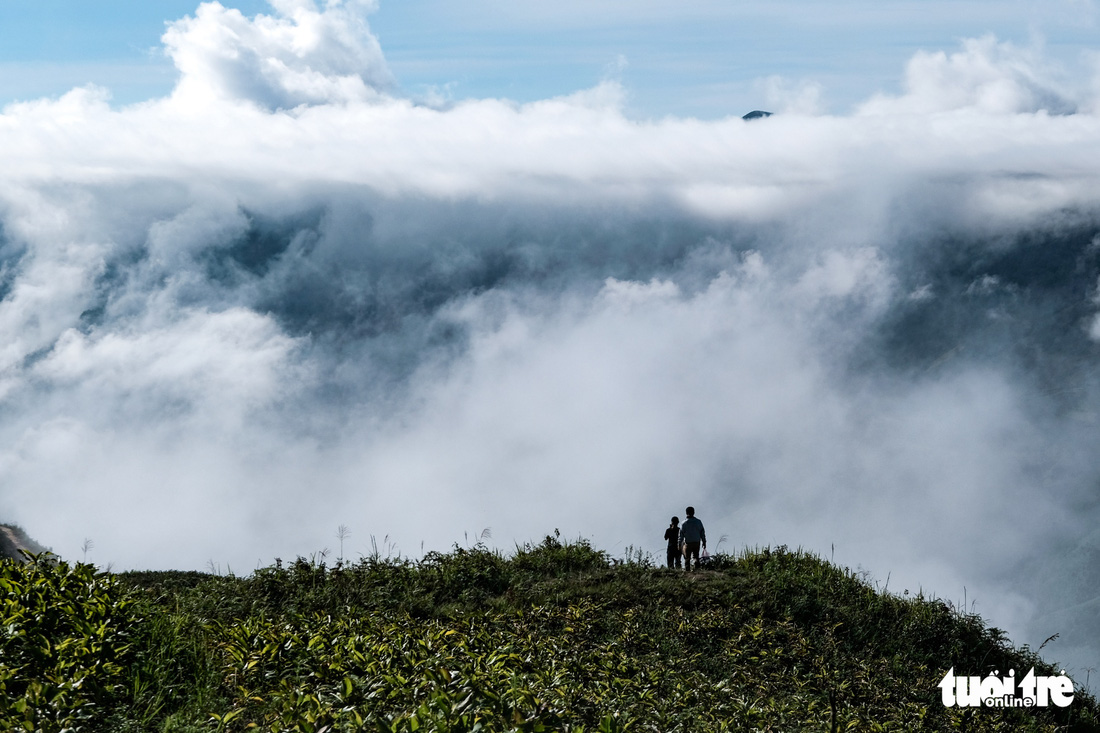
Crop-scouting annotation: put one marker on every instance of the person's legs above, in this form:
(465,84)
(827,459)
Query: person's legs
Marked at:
(692,549)
(673,557)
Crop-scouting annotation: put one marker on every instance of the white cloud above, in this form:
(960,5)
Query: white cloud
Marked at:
(987,76)
(300,55)
(225,364)
(861,273)
(792,97)
(284,299)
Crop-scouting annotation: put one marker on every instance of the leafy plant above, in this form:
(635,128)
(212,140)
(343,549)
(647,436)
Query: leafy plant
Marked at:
(556,637)
(64,644)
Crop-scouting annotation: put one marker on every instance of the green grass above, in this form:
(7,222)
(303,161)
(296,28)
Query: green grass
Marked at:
(552,637)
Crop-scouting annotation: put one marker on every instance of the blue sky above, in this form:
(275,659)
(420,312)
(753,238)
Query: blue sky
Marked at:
(703,58)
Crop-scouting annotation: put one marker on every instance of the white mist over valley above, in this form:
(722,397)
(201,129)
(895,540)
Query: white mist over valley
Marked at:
(288,297)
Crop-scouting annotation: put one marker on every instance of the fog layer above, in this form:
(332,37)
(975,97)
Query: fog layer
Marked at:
(286,298)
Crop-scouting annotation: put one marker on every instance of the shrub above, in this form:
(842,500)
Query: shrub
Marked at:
(64,644)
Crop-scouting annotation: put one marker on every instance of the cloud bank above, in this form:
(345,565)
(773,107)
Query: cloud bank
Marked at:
(284,298)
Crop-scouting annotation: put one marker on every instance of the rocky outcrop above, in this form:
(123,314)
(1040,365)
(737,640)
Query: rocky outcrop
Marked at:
(13,539)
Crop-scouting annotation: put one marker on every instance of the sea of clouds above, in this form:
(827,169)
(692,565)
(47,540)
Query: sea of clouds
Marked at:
(287,298)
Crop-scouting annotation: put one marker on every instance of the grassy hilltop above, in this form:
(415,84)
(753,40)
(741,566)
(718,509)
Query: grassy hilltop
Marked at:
(555,637)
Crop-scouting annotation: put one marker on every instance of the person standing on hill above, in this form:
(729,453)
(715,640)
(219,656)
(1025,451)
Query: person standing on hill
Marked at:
(692,535)
(672,534)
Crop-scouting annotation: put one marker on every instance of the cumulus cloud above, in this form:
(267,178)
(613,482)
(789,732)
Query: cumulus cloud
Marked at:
(300,55)
(223,363)
(284,299)
(986,76)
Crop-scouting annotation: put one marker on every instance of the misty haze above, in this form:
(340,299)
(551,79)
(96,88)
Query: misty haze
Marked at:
(286,298)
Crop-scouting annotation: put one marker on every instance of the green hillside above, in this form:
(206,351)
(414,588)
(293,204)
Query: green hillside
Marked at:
(553,637)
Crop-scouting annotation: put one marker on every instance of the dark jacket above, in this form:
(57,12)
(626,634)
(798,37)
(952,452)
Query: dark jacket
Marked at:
(672,534)
(692,531)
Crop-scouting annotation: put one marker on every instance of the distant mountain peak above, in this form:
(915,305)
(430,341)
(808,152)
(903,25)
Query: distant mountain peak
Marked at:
(756,114)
